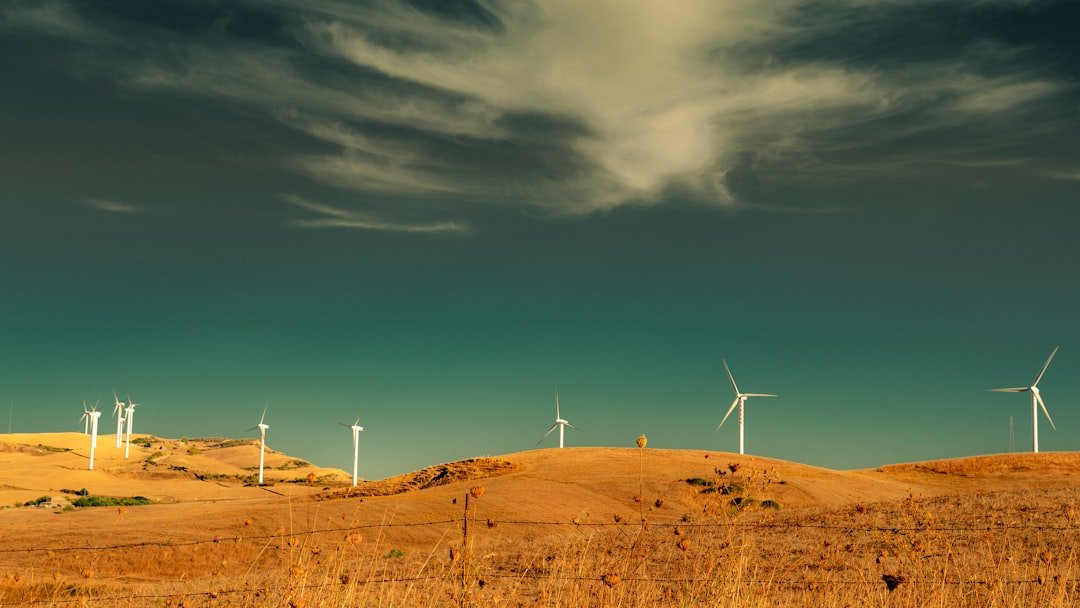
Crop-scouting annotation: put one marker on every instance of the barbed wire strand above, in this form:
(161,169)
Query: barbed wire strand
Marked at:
(623,524)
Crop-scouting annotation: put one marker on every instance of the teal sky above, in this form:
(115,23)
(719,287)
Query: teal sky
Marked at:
(436,212)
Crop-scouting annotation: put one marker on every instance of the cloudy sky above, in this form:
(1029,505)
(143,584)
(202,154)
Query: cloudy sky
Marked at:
(436,211)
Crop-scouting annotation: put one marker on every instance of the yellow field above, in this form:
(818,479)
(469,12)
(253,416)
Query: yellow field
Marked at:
(573,527)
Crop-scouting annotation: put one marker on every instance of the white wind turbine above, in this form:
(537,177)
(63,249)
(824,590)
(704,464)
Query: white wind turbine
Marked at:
(355,428)
(118,411)
(1036,402)
(262,426)
(740,400)
(130,421)
(559,423)
(85,419)
(92,416)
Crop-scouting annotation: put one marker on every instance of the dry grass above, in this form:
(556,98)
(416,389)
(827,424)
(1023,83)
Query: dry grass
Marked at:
(650,539)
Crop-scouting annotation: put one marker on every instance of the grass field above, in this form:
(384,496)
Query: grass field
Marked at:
(584,527)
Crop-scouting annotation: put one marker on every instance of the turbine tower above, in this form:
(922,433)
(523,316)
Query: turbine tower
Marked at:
(559,423)
(740,400)
(356,428)
(262,426)
(92,416)
(130,421)
(1036,402)
(118,411)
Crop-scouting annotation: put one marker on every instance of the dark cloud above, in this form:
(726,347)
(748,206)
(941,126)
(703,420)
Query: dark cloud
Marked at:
(564,109)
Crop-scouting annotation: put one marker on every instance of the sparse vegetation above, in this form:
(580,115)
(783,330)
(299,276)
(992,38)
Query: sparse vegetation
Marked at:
(696,546)
(37,501)
(110,501)
(294,463)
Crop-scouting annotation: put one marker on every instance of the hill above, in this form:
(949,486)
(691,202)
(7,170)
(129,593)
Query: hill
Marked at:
(164,470)
(208,529)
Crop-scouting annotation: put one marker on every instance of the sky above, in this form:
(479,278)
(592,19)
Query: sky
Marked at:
(431,213)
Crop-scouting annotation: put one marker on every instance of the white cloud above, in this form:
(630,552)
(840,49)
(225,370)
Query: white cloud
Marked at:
(113,206)
(1070,175)
(329,216)
(51,17)
(667,96)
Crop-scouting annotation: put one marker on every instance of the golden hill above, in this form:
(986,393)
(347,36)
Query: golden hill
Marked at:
(164,470)
(208,530)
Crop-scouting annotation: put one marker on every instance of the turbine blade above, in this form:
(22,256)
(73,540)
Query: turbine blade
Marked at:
(730,377)
(345,425)
(730,409)
(557,415)
(1045,365)
(263,417)
(1018,389)
(573,427)
(1045,411)
(758,395)
(553,427)
(254,428)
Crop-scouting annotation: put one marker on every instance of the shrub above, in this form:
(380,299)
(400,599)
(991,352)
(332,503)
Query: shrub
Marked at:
(37,501)
(82,492)
(770,504)
(193,450)
(110,501)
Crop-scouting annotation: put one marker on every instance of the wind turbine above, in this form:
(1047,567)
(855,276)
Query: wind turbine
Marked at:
(740,400)
(85,419)
(92,416)
(356,428)
(130,421)
(118,409)
(559,423)
(1036,402)
(262,426)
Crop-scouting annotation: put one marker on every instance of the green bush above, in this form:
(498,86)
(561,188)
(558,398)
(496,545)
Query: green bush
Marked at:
(82,492)
(37,501)
(110,501)
(770,504)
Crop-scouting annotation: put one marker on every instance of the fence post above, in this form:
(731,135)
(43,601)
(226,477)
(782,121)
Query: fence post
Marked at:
(465,553)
